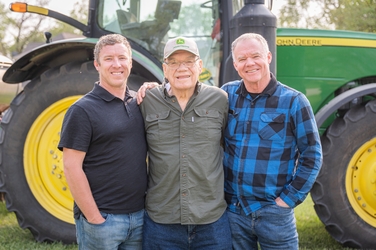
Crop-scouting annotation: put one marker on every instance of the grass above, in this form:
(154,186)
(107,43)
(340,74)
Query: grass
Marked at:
(312,234)
(13,237)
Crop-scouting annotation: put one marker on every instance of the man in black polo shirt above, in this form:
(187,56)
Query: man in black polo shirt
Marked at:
(104,154)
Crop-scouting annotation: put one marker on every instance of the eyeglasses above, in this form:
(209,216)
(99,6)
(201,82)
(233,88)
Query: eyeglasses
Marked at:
(176,65)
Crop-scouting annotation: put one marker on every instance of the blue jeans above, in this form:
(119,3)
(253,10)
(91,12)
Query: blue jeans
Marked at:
(272,226)
(213,236)
(119,231)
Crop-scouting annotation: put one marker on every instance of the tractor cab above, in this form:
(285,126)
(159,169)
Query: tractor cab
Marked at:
(150,23)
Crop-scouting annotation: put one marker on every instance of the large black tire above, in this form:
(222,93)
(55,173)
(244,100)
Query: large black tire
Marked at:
(31,167)
(345,191)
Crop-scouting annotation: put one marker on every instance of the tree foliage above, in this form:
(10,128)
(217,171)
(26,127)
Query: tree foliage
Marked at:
(359,15)
(3,45)
(80,13)
(356,15)
(18,30)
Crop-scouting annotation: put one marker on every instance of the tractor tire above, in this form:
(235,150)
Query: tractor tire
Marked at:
(344,193)
(31,167)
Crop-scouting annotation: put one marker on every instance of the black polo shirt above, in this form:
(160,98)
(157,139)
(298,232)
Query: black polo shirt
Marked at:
(111,132)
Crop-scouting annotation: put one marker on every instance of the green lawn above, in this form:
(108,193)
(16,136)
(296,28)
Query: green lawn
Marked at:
(312,234)
(12,237)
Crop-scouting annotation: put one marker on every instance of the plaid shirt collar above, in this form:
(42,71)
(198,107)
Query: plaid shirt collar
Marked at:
(269,90)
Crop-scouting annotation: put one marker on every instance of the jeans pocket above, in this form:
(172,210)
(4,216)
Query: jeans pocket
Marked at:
(281,210)
(104,215)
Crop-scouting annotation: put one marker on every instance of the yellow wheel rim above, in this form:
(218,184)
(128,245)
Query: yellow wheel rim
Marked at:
(43,163)
(361,182)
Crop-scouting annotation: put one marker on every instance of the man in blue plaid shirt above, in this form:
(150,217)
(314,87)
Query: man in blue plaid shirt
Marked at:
(272,151)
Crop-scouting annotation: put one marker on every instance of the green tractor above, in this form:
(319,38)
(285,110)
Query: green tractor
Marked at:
(333,69)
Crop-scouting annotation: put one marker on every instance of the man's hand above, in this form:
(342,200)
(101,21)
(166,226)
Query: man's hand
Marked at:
(142,90)
(97,220)
(280,202)
(3,107)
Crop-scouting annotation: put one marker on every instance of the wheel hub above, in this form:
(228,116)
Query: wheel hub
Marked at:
(43,163)
(361,182)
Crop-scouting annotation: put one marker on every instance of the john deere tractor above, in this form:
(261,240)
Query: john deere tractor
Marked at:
(334,69)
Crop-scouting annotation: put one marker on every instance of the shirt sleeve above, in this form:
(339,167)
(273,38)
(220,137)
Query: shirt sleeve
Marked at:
(76,130)
(309,149)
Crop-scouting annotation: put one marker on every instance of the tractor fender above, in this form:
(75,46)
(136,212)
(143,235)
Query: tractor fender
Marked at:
(56,54)
(342,99)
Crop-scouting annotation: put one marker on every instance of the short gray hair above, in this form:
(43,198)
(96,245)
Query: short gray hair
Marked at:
(250,36)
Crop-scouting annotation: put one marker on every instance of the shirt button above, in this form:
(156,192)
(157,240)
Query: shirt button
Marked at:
(184,175)
(183,136)
(183,156)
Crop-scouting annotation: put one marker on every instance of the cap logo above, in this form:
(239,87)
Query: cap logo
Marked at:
(180,41)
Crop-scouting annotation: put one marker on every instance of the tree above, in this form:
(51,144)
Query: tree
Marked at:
(356,15)
(362,13)
(80,13)
(17,30)
(24,28)
(305,14)
(4,47)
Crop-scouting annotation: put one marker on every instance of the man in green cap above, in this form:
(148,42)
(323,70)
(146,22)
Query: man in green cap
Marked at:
(184,123)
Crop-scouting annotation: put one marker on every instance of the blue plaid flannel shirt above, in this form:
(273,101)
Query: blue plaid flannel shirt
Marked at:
(272,147)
